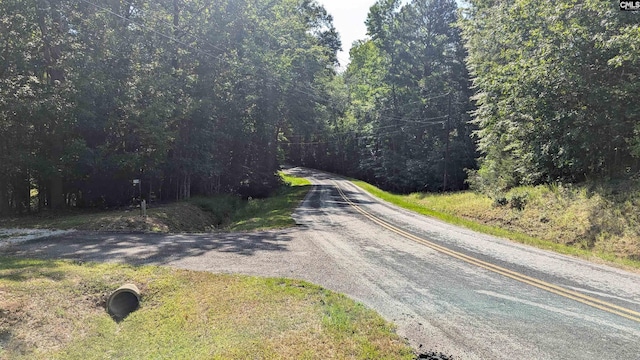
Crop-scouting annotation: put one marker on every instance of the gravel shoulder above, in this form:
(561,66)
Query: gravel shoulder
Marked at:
(438,303)
(12,236)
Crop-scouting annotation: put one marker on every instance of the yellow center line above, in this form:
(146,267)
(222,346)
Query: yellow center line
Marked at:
(555,289)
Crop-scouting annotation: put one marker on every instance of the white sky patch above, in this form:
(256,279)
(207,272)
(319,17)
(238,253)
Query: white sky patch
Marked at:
(348,18)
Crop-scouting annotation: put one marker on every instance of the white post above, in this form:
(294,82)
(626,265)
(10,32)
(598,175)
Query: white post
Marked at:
(143,207)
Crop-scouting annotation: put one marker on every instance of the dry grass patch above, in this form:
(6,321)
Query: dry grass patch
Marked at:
(55,309)
(177,217)
(597,220)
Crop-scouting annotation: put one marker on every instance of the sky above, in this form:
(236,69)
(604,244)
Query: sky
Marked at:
(348,18)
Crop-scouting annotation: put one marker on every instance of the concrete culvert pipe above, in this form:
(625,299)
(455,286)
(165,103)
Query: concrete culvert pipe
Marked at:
(123,301)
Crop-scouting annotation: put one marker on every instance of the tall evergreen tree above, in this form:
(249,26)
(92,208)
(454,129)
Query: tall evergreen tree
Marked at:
(192,97)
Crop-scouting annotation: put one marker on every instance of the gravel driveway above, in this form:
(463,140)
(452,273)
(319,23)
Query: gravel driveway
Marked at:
(438,302)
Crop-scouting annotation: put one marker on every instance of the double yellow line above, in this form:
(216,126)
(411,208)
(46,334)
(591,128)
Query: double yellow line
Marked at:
(587,300)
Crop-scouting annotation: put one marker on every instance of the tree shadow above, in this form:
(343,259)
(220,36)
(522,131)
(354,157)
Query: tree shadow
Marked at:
(614,224)
(355,197)
(17,270)
(139,249)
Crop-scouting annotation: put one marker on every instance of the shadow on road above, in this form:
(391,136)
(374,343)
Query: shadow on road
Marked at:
(165,248)
(140,249)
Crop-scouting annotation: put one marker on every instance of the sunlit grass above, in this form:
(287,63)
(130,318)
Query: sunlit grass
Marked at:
(55,309)
(275,211)
(234,214)
(568,221)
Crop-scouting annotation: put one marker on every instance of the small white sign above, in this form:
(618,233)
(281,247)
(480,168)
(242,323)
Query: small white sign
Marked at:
(136,181)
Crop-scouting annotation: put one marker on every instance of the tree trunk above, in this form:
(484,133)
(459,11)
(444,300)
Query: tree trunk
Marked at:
(22,189)
(55,75)
(184,187)
(42,195)
(4,196)
(57,196)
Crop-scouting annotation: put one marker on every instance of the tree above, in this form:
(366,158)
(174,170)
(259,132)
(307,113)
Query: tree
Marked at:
(194,97)
(552,82)
(409,93)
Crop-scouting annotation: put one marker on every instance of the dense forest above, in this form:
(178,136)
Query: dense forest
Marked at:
(555,84)
(406,126)
(203,97)
(190,97)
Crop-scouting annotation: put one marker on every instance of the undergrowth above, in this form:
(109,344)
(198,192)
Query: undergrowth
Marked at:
(233,213)
(199,214)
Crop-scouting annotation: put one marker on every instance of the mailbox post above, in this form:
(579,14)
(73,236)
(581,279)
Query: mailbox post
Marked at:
(139,183)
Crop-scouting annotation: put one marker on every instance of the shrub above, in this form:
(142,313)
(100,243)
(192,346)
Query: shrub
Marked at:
(500,200)
(222,206)
(518,200)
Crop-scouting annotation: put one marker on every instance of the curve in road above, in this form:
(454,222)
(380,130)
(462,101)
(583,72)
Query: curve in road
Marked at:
(448,289)
(574,295)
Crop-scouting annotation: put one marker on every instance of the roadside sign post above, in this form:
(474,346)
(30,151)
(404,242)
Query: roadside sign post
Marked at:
(143,208)
(139,183)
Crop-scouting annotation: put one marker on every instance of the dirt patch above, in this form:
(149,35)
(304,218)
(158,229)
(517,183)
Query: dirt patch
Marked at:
(177,217)
(180,217)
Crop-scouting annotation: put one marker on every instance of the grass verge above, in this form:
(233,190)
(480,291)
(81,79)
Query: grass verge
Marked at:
(548,219)
(233,214)
(175,217)
(55,310)
(200,214)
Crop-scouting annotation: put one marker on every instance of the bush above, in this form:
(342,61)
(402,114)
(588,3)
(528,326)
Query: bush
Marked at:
(493,177)
(500,200)
(222,206)
(518,200)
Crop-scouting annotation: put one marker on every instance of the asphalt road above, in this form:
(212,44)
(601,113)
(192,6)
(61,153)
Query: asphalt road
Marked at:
(448,289)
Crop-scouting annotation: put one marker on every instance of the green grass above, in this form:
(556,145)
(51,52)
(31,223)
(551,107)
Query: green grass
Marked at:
(566,221)
(233,214)
(55,310)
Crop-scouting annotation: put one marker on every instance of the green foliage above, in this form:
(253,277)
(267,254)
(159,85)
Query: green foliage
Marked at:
(518,200)
(191,97)
(406,123)
(500,200)
(232,213)
(223,207)
(634,142)
(553,81)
